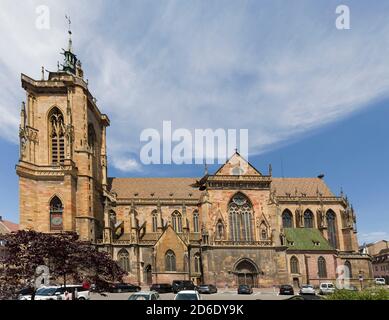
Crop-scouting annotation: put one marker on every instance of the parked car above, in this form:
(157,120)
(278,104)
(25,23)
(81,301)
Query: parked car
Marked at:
(380,281)
(59,293)
(286,289)
(179,285)
(142,295)
(207,288)
(187,295)
(124,287)
(307,289)
(245,289)
(326,288)
(161,287)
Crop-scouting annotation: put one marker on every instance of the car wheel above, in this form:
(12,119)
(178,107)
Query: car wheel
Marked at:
(81,298)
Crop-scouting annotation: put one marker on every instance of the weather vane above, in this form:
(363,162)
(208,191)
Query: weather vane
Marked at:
(70,23)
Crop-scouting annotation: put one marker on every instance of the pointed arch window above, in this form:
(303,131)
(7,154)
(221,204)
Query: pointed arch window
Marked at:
(240,218)
(170,261)
(331,224)
(308,219)
(124,260)
(56,214)
(347,264)
(322,267)
(177,221)
(294,265)
(56,136)
(287,219)
(154,217)
(196,225)
(197,263)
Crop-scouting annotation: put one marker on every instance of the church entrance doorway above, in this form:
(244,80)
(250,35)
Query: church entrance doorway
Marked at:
(246,272)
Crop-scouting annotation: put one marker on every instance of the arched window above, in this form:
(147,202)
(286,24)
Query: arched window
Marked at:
(331,224)
(56,136)
(322,267)
(177,221)
(170,261)
(196,226)
(197,263)
(287,219)
(240,217)
(219,230)
(308,219)
(154,217)
(56,214)
(124,260)
(347,264)
(294,265)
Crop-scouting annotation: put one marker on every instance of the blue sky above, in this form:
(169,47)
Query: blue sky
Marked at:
(311,95)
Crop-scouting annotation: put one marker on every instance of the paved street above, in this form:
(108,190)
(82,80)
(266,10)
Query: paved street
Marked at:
(261,294)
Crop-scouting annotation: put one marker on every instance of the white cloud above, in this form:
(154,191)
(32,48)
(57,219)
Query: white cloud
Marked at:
(374,236)
(126,164)
(277,72)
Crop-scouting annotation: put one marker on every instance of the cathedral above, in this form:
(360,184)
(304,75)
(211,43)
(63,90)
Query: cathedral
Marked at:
(236,226)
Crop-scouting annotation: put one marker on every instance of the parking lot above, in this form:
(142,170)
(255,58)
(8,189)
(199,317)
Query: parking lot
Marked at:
(258,294)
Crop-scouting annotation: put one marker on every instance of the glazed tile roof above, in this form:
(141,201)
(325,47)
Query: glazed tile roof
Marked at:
(305,239)
(181,188)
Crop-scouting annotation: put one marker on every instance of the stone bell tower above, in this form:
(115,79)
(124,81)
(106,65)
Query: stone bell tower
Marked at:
(63,163)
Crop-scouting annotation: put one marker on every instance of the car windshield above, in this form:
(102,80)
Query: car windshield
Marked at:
(186,296)
(139,297)
(46,291)
(307,287)
(330,285)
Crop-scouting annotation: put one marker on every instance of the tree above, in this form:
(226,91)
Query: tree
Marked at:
(67,259)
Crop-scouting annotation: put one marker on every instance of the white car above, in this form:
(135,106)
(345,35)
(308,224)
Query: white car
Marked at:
(187,295)
(58,293)
(144,295)
(326,288)
(307,289)
(380,281)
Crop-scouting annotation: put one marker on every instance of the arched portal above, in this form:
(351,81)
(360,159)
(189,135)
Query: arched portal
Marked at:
(246,272)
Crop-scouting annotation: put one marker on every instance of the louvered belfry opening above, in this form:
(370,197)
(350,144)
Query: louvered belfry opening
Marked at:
(57,136)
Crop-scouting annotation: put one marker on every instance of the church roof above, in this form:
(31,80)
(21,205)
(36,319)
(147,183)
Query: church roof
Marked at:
(148,188)
(306,239)
(182,188)
(307,186)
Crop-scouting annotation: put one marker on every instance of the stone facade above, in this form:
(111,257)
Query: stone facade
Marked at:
(232,227)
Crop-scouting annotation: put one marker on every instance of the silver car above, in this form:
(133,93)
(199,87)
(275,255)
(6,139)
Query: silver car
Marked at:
(143,295)
(307,289)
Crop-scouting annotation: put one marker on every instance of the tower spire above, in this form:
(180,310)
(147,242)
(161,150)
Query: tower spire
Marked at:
(70,62)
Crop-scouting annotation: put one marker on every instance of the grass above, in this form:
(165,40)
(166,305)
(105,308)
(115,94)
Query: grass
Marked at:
(366,294)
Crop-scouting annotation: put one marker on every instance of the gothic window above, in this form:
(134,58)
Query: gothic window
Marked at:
(177,221)
(322,267)
(124,260)
(56,136)
(240,218)
(287,219)
(196,227)
(91,138)
(331,224)
(155,220)
(197,263)
(170,261)
(308,219)
(347,264)
(219,230)
(56,214)
(294,265)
